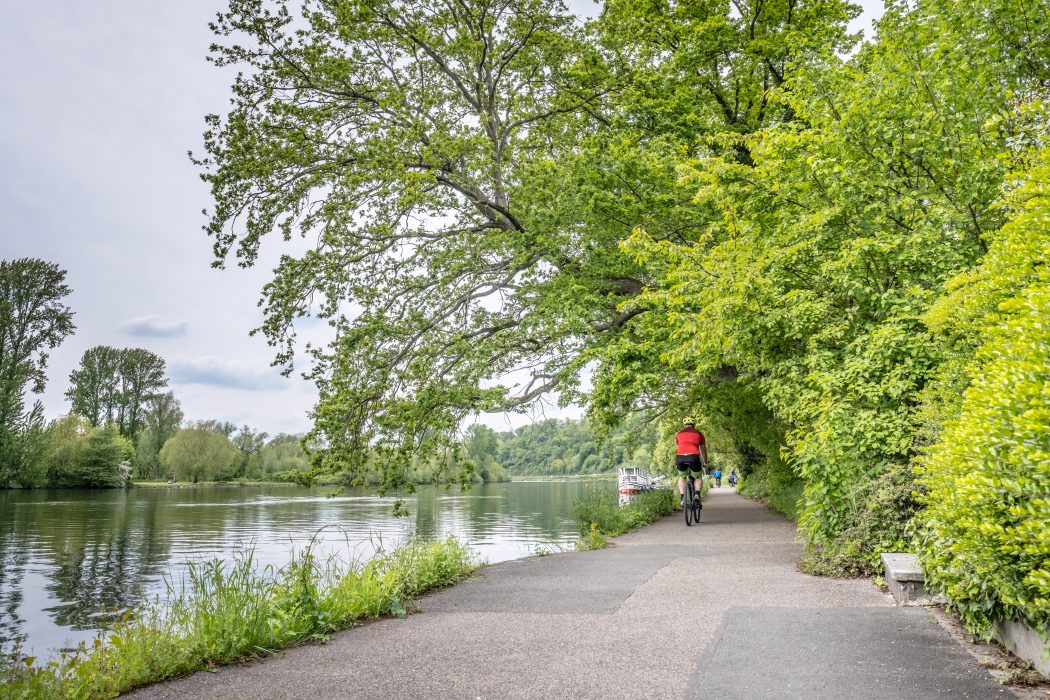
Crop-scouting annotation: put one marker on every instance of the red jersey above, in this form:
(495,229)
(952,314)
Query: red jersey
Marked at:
(689,441)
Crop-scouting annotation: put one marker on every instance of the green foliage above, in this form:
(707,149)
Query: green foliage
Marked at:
(33,321)
(230,611)
(198,453)
(599,513)
(825,249)
(24,449)
(80,455)
(116,385)
(710,208)
(162,420)
(105,460)
(779,488)
(592,539)
(884,509)
(566,447)
(283,453)
(986,524)
(481,447)
(249,444)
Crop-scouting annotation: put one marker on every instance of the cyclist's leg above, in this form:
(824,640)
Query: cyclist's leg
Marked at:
(683,472)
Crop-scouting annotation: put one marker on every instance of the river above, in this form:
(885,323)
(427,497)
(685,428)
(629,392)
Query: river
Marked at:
(70,561)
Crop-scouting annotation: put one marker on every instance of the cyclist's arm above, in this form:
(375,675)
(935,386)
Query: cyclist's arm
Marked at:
(703,452)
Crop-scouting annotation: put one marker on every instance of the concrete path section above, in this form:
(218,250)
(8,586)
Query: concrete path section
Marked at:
(717,610)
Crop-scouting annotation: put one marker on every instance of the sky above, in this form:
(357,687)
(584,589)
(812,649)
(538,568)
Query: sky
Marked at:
(100,103)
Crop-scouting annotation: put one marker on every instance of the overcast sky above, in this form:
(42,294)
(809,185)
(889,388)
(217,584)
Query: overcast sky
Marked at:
(101,101)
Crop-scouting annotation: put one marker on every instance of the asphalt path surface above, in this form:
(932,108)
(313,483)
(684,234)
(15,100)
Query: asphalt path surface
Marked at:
(717,610)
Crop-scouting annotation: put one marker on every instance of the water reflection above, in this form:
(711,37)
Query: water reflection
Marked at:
(70,562)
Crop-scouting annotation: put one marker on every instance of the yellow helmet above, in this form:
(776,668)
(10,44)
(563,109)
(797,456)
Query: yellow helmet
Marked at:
(688,421)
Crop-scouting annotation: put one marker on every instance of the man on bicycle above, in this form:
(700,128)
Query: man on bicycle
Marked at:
(691,458)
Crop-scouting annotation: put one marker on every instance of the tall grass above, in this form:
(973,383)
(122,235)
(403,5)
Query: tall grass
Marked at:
(599,513)
(228,611)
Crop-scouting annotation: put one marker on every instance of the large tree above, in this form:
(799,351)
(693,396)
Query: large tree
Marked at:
(34,319)
(162,420)
(116,386)
(95,385)
(832,239)
(466,169)
(196,453)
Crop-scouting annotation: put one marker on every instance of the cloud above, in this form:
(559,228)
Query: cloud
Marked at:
(154,326)
(230,374)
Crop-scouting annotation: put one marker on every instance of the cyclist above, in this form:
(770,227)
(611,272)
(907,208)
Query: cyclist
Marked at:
(691,458)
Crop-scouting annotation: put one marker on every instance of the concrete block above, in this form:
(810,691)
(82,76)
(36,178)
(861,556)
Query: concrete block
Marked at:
(906,581)
(1025,642)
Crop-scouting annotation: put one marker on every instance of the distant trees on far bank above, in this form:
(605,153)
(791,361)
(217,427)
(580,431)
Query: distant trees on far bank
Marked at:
(197,453)
(122,425)
(567,447)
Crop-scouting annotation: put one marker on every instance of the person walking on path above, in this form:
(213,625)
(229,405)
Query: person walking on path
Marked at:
(691,458)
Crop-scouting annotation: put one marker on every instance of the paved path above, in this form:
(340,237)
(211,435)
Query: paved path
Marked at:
(712,611)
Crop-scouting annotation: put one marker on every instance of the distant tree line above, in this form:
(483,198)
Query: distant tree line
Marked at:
(122,424)
(565,447)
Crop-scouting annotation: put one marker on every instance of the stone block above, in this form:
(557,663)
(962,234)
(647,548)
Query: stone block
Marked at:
(906,581)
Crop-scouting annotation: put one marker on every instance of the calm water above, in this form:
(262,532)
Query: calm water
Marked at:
(69,559)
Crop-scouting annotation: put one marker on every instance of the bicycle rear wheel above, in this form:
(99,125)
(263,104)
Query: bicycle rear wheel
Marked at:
(687,507)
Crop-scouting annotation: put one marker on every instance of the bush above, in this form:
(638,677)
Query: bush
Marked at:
(82,456)
(986,541)
(884,508)
(601,510)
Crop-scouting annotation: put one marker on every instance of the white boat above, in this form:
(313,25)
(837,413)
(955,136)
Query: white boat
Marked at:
(633,480)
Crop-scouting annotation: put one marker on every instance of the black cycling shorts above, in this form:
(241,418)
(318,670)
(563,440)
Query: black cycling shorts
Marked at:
(688,463)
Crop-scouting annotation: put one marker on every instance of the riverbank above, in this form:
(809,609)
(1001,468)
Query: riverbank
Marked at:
(206,484)
(75,558)
(715,610)
(230,612)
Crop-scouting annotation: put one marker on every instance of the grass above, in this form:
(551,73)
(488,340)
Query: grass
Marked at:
(230,611)
(600,515)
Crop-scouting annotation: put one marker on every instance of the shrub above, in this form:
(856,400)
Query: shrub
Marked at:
(601,510)
(81,455)
(884,508)
(986,541)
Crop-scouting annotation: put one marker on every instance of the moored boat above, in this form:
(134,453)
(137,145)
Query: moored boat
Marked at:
(633,480)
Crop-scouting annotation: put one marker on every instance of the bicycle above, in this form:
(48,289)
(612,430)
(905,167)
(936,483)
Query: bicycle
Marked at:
(692,506)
